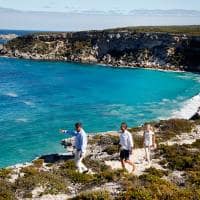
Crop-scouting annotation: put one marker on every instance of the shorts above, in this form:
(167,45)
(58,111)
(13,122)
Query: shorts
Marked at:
(124,154)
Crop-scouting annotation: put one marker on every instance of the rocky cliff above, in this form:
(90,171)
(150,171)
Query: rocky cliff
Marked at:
(116,47)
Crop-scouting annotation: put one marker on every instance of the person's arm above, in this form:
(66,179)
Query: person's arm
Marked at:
(72,133)
(154,140)
(143,142)
(83,143)
(131,143)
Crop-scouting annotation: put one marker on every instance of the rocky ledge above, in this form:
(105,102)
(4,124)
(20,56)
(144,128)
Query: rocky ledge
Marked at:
(173,173)
(8,36)
(172,48)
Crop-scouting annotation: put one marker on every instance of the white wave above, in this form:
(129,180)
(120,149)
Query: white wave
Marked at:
(112,113)
(21,119)
(28,103)
(11,94)
(189,108)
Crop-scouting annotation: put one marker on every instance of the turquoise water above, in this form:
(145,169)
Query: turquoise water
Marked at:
(39,98)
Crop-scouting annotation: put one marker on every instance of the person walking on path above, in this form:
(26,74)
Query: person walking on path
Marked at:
(80,146)
(149,142)
(126,146)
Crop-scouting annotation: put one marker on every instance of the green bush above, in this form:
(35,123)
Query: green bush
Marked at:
(111,149)
(94,195)
(138,141)
(136,194)
(5,173)
(175,126)
(96,166)
(51,183)
(179,157)
(6,191)
(29,171)
(77,177)
(108,175)
(156,172)
(194,178)
(69,164)
(196,144)
(38,163)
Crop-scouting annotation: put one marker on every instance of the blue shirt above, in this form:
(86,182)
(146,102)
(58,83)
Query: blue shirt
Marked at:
(80,139)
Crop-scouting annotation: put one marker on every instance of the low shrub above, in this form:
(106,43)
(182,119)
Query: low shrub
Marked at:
(76,177)
(94,195)
(138,141)
(175,126)
(6,191)
(111,149)
(179,157)
(38,163)
(29,171)
(156,172)
(135,194)
(51,183)
(96,166)
(196,144)
(5,173)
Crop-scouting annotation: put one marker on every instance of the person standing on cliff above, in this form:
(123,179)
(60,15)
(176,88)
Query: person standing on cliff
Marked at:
(149,142)
(126,146)
(80,145)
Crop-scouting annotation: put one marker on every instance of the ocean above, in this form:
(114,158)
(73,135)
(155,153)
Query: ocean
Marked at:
(38,98)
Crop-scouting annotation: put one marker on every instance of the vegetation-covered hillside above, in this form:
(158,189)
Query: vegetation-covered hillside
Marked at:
(174,175)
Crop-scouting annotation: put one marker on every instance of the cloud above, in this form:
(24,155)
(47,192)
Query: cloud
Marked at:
(93,19)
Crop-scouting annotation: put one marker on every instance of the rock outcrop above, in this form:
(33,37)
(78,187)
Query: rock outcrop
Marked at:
(8,36)
(117,47)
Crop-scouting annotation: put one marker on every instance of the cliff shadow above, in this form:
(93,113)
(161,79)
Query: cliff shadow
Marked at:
(54,158)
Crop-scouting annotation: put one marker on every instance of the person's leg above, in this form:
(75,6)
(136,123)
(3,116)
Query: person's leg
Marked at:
(78,161)
(123,164)
(127,160)
(146,153)
(122,157)
(131,163)
(83,167)
(149,153)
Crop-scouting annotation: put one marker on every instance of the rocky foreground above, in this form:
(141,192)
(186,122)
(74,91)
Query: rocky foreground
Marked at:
(174,173)
(167,48)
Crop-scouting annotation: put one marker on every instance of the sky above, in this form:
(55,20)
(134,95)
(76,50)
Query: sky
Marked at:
(73,15)
(100,5)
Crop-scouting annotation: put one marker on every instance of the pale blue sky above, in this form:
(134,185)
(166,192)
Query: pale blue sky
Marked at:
(102,5)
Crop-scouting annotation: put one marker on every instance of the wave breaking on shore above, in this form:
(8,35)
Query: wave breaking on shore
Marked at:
(190,107)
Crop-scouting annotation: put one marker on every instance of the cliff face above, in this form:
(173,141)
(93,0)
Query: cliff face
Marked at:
(112,47)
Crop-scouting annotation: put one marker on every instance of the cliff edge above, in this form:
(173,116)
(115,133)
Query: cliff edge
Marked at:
(170,48)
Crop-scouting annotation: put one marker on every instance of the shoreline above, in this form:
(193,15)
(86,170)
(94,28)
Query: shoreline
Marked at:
(188,105)
(92,134)
(106,65)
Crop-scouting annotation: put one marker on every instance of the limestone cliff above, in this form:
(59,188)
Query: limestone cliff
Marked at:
(116,47)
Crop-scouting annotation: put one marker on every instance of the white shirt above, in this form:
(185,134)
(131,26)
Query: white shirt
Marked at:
(126,140)
(148,138)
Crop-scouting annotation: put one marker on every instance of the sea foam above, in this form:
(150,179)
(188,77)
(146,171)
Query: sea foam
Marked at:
(189,108)
(28,103)
(22,120)
(11,94)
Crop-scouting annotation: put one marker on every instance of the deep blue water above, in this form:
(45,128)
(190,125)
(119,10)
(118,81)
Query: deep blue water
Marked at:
(39,98)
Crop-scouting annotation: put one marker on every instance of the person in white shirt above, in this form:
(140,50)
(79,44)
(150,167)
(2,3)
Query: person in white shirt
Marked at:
(126,146)
(80,145)
(149,141)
